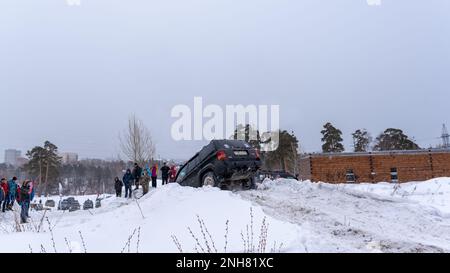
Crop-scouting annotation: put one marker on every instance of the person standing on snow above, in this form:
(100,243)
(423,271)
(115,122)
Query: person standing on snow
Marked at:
(145,182)
(127,180)
(12,193)
(118,187)
(137,174)
(173,174)
(154,175)
(25,197)
(165,174)
(2,192)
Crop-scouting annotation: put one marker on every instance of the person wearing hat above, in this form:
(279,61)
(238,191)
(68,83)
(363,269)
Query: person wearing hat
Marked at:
(127,180)
(137,174)
(165,170)
(118,185)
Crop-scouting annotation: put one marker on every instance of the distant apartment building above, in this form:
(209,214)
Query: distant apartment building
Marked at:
(12,156)
(21,161)
(69,158)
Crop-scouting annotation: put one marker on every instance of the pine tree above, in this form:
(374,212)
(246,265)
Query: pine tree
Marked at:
(361,140)
(285,156)
(44,163)
(332,139)
(248,134)
(394,139)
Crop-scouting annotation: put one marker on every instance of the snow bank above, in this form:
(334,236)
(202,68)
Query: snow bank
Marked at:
(361,217)
(434,192)
(164,212)
(302,216)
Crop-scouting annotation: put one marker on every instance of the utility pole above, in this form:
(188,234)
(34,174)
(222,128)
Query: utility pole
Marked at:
(445,137)
(295,152)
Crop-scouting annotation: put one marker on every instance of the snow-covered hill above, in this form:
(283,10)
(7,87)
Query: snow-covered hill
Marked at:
(301,217)
(167,211)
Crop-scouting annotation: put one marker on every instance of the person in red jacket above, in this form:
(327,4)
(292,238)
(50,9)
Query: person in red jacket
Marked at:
(4,188)
(173,174)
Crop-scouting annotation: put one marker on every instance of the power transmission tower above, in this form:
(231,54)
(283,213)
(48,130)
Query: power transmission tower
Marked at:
(445,137)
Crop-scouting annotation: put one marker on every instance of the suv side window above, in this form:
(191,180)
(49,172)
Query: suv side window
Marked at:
(181,174)
(204,153)
(191,165)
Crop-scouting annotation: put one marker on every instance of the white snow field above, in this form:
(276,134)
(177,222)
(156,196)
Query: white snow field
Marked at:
(301,217)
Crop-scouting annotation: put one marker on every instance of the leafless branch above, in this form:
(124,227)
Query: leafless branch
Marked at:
(136,142)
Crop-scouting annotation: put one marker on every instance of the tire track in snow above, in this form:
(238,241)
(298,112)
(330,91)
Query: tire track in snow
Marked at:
(349,221)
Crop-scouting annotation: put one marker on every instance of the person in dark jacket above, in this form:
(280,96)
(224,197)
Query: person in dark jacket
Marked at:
(127,180)
(137,174)
(118,184)
(24,200)
(165,170)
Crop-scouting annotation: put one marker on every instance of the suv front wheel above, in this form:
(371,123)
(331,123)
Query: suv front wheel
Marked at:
(209,179)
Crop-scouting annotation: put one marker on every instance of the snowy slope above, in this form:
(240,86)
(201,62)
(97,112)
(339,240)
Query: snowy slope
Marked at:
(168,211)
(302,217)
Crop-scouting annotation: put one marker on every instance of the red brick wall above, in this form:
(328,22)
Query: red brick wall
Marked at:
(441,164)
(333,168)
(415,167)
(375,167)
(305,168)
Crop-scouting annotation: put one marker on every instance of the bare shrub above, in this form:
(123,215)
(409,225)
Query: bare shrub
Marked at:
(82,241)
(177,243)
(51,233)
(68,245)
(128,243)
(207,243)
(226,235)
(136,142)
(138,240)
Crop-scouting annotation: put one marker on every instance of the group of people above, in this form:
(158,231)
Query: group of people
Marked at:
(11,191)
(141,177)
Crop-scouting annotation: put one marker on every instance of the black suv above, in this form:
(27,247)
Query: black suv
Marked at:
(226,164)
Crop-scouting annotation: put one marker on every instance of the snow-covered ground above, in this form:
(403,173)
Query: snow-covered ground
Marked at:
(301,217)
(410,217)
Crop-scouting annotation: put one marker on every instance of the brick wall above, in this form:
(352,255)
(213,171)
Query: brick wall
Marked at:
(305,168)
(334,168)
(375,167)
(441,164)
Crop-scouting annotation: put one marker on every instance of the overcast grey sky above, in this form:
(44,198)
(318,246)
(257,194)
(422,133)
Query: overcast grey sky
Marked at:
(73,74)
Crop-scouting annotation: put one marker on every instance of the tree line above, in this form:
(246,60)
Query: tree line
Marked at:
(389,140)
(286,156)
(52,177)
(95,176)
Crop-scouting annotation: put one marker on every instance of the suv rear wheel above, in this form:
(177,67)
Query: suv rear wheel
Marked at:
(209,179)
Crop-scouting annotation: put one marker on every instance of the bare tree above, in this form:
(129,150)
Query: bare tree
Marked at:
(136,142)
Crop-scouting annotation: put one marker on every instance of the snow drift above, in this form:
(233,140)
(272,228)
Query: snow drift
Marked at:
(301,217)
(154,219)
